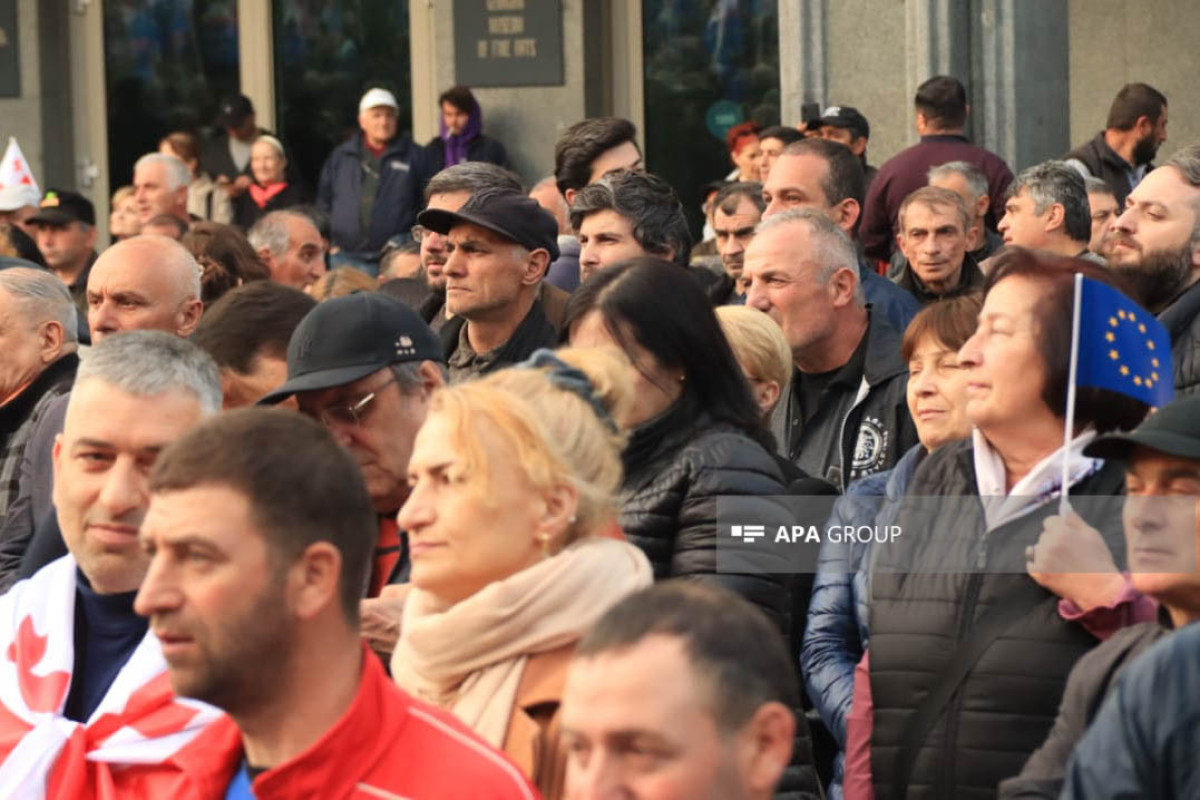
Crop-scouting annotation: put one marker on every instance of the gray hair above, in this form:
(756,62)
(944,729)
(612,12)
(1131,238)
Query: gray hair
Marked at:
(1186,160)
(42,297)
(472,177)
(270,233)
(1098,186)
(1054,182)
(152,363)
(832,248)
(408,376)
(176,171)
(976,181)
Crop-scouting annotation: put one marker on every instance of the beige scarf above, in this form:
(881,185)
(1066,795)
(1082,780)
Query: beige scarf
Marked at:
(469,657)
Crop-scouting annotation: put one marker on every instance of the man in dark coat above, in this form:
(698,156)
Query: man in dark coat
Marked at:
(1121,154)
(501,244)
(1155,244)
(371,185)
(932,230)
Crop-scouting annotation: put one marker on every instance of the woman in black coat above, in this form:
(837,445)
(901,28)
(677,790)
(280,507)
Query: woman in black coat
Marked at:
(271,189)
(695,434)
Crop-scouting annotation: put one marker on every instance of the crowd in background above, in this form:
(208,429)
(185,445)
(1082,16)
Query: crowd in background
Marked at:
(416,483)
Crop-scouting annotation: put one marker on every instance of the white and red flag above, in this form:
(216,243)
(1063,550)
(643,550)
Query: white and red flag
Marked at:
(15,171)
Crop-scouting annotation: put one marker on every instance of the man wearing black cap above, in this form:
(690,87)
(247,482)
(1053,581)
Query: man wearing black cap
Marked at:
(500,246)
(847,125)
(66,235)
(1162,479)
(365,366)
(227,157)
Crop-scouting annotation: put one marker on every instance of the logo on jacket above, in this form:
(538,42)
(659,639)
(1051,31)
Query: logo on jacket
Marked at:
(871,448)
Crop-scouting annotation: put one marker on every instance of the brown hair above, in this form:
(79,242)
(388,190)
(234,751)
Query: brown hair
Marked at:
(1055,275)
(950,322)
(186,147)
(228,247)
(302,486)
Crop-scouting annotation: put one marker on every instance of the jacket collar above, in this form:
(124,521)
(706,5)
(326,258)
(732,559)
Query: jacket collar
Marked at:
(16,411)
(534,331)
(944,137)
(1106,153)
(1181,312)
(971,277)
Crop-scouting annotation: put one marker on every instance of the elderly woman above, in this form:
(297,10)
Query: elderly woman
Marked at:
(204,201)
(836,635)
(513,479)
(270,190)
(973,632)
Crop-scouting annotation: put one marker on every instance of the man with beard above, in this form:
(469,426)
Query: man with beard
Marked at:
(1155,244)
(1120,155)
(259,537)
(449,190)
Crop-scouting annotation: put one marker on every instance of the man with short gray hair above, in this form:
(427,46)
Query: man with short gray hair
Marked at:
(290,246)
(932,230)
(801,269)
(74,618)
(968,182)
(1047,209)
(160,186)
(38,339)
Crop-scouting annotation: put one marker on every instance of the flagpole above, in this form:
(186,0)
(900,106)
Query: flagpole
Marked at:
(1064,505)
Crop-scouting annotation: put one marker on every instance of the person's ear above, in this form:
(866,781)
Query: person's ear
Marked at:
(189,317)
(569,196)
(313,581)
(91,237)
(559,506)
(841,285)
(765,747)
(535,267)
(51,338)
(846,213)
(767,394)
(1055,217)
(431,376)
(982,204)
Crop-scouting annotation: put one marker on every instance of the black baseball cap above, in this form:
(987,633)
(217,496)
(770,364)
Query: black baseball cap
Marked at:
(63,208)
(843,117)
(1173,430)
(510,214)
(234,110)
(348,338)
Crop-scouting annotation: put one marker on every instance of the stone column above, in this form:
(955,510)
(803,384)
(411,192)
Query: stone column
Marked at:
(802,57)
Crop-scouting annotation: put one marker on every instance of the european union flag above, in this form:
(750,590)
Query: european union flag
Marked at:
(1122,347)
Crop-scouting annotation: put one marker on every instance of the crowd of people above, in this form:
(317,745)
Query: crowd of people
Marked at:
(417,485)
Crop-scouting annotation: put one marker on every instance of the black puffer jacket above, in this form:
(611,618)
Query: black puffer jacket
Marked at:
(1182,321)
(921,619)
(676,466)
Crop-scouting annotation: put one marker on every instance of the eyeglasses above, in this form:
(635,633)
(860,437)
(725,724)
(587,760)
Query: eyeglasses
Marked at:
(419,232)
(353,414)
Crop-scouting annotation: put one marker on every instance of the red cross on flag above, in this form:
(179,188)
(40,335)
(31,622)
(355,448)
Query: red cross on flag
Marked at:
(14,169)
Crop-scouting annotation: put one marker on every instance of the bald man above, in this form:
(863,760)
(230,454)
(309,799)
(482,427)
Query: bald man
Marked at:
(144,283)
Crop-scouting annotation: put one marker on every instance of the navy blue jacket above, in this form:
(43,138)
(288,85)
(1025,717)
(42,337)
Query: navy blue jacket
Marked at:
(404,171)
(836,635)
(896,303)
(1144,741)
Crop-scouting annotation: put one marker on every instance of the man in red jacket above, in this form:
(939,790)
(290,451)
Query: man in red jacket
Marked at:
(260,533)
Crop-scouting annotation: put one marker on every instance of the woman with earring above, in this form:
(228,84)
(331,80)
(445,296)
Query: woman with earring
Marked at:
(513,479)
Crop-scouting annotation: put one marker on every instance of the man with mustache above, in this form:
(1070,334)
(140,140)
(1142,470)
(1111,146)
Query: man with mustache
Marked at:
(1120,155)
(83,674)
(1155,244)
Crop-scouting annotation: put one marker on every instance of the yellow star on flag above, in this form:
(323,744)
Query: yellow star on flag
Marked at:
(1124,370)
(1114,355)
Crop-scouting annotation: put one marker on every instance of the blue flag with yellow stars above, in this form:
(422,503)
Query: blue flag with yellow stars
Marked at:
(1122,347)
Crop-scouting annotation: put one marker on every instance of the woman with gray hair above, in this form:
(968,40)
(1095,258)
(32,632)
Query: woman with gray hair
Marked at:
(271,189)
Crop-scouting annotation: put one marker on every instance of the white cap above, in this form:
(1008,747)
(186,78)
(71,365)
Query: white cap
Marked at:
(377,97)
(16,196)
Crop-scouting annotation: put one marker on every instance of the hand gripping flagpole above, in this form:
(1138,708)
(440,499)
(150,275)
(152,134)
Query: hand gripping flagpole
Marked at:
(1064,504)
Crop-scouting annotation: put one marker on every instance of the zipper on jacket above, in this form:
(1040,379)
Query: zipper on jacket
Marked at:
(954,707)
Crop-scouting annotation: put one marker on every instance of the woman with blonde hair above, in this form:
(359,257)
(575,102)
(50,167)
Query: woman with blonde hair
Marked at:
(123,220)
(761,351)
(514,479)
(340,282)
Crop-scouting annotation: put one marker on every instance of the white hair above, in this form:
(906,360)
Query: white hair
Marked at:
(152,363)
(271,232)
(42,297)
(177,173)
(834,250)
